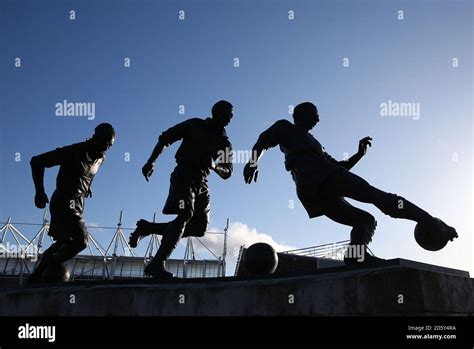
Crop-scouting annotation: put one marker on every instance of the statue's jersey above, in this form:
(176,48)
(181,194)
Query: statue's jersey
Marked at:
(305,158)
(202,143)
(76,169)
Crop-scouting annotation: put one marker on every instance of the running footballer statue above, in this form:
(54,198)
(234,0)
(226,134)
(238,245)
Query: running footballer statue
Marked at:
(204,142)
(78,164)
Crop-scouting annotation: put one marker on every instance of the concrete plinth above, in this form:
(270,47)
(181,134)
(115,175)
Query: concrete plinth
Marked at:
(394,287)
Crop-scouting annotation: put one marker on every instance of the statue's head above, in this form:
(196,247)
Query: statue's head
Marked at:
(306,115)
(222,113)
(103,138)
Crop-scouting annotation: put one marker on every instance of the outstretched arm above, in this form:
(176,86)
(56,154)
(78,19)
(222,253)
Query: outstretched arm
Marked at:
(267,139)
(167,138)
(157,150)
(354,159)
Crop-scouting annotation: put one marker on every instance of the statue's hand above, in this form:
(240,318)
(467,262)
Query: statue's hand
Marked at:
(363,144)
(147,170)
(250,172)
(41,199)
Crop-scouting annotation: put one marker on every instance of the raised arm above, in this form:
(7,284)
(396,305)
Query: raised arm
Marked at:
(167,138)
(269,138)
(354,159)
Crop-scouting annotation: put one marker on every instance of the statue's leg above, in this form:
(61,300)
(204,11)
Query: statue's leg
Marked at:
(352,186)
(363,223)
(145,228)
(197,225)
(58,230)
(71,238)
(363,227)
(78,239)
(153,228)
(36,275)
(184,189)
(181,193)
(173,233)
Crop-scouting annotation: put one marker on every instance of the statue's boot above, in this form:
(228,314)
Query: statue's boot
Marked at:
(156,269)
(145,228)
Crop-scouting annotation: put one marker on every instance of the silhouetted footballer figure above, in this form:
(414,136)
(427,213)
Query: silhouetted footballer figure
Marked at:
(322,182)
(78,165)
(203,143)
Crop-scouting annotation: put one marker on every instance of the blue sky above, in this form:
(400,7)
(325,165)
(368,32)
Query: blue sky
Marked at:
(282,62)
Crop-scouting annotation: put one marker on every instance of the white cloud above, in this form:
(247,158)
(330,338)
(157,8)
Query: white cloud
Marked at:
(238,234)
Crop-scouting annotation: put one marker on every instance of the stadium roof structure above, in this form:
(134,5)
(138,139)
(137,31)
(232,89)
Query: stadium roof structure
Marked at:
(18,254)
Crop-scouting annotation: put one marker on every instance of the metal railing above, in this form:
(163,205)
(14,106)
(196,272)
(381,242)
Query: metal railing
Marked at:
(333,250)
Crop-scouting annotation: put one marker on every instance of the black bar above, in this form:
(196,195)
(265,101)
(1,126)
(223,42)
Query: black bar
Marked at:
(78,331)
